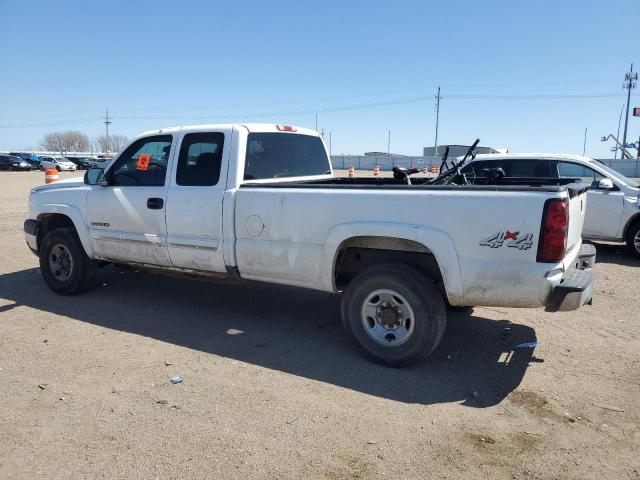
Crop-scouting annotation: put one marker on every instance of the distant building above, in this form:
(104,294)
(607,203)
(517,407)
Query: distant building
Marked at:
(382,154)
(456,150)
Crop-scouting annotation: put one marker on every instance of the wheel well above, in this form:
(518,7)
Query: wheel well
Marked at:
(632,221)
(359,253)
(51,221)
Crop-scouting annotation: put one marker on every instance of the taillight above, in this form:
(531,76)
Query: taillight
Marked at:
(285,128)
(555,228)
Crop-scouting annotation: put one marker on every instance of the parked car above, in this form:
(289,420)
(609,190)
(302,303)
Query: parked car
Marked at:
(82,163)
(9,162)
(259,202)
(613,202)
(59,163)
(100,162)
(33,160)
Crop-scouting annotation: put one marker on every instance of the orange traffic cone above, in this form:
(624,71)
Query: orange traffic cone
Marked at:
(425,169)
(435,169)
(50,175)
(352,171)
(376,170)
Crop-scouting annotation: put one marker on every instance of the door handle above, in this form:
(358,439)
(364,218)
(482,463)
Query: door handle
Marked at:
(155,203)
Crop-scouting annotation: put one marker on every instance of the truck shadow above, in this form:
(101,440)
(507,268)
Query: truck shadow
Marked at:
(292,330)
(615,253)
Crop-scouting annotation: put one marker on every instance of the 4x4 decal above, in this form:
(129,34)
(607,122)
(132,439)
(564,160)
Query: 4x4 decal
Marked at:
(511,239)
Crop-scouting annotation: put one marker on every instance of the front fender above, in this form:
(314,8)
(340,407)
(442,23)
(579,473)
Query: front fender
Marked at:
(72,212)
(436,241)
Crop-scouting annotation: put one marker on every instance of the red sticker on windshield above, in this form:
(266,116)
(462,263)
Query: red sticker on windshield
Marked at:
(143,161)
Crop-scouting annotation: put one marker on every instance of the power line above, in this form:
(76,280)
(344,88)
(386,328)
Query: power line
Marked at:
(315,111)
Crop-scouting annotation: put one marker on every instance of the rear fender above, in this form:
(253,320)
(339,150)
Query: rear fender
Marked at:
(436,241)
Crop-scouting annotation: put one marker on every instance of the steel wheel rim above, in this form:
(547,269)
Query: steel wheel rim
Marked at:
(61,262)
(387,317)
(636,241)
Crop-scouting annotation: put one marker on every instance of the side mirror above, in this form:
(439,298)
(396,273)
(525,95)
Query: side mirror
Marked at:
(605,184)
(95,176)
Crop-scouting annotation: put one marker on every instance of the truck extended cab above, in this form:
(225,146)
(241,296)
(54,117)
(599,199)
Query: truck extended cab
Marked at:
(260,202)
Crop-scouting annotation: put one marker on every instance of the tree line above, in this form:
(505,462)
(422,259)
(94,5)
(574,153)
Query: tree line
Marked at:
(74,141)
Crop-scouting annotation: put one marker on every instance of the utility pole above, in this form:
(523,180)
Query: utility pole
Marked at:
(107,122)
(618,134)
(584,145)
(438,98)
(322,134)
(330,144)
(389,143)
(316,121)
(630,80)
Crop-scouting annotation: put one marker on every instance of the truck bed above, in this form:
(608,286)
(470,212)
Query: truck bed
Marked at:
(514,184)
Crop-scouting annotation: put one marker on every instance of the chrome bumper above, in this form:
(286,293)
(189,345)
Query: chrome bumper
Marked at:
(576,287)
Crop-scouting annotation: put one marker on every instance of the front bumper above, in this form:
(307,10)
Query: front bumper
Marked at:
(31,234)
(576,287)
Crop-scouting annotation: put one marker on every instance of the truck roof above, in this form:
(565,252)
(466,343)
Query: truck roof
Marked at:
(251,127)
(529,156)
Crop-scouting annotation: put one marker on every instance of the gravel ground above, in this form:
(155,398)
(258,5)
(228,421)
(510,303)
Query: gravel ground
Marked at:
(272,389)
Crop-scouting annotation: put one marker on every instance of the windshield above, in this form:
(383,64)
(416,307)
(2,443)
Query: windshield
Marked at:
(281,155)
(61,160)
(618,176)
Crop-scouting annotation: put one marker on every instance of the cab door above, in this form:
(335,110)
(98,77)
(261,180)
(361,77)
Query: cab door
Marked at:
(194,203)
(127,217)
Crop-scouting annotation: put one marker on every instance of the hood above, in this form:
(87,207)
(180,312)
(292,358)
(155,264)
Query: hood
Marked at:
(66,183)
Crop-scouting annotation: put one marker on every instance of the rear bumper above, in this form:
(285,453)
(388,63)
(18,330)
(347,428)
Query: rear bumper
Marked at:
(31,234)
(576,287)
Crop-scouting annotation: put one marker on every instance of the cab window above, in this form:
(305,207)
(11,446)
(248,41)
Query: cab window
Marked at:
(200,159)
(281,155)
(575,170)
(144,163)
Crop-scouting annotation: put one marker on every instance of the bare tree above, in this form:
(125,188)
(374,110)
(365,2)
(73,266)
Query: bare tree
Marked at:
(116,143)
(69,141)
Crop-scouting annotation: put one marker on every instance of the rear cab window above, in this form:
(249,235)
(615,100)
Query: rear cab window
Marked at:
(200,159)
(281,155)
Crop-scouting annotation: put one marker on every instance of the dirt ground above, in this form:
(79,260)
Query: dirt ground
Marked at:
(273,389)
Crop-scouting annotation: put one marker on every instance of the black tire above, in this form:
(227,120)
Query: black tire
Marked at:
(423,298)
(79,274)
(632,233)
(58,169)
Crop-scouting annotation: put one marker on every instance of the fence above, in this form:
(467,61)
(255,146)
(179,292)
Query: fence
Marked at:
(628,168)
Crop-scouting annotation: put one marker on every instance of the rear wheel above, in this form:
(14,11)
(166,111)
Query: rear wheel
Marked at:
(65,266)
(396,315)
(633,239)
(58,169)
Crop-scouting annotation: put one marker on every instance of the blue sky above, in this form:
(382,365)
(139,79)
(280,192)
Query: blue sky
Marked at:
(366,67)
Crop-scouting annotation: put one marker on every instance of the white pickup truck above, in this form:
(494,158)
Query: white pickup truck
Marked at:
(260,202)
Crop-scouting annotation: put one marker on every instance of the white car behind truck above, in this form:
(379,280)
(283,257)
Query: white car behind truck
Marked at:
(259,202)
(614,200)
(58,163)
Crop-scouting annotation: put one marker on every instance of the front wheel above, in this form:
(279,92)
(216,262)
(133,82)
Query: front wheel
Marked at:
(396,314)
(633,239)
(65,266)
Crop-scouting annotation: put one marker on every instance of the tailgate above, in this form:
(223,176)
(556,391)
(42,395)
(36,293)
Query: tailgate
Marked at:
(577,209)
